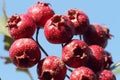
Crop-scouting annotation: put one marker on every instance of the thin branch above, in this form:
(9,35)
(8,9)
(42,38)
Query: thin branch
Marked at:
(38,42)
(80,37)
(29,74)
(67,76)
(69,69)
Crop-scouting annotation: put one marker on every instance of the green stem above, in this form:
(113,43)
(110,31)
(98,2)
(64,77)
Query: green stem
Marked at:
(29,74)
(25,71)
(115,66)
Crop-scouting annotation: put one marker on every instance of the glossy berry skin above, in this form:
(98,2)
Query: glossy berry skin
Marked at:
(24,53)
(51,68)
(75,53)
(106,75)
(79,19)
(107,60)
(21,26)
(58,29)
(97,35)
(96,60)
(83,73)
(40,12)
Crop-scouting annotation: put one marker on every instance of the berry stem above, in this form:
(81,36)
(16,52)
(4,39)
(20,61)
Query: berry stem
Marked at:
(67,76)
(115,66)
(6,58)
(29,74)
(80,37)
(62,45)
(38,42)
(69,69)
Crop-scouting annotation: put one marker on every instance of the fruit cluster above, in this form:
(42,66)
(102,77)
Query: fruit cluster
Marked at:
(85,57)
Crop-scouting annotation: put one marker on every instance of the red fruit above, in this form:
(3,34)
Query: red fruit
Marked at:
(106,75)
(96,61)
(58,29)
(79,19)
(108,60)
(24,53)
(75,53)
(97,35)
(51,68)
(83,73)
(21,26)
(40,12)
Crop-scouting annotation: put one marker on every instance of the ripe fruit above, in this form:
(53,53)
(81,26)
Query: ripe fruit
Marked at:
(106,75)
(108,60)
(79,19)
(85,56)
(21,26)
(40,12)
(51,68)
(97,35)
(58,29)
(96,61)
(83,73)
(75,53)
(24,53)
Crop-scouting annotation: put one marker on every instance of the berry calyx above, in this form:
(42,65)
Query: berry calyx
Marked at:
(21,26)
(75,53)
(24,53)
(79,19)
(107,60)
(58,29)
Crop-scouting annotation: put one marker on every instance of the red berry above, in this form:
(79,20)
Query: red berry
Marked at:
(51,68)
(75,53)
(58,29)
(106,75)
(21,26)
(40,12)
(79,19)
(83,73)
(24,53)
(96,61)
(97,35)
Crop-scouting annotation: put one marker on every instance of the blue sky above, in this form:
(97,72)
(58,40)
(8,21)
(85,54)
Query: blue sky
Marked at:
(105,12)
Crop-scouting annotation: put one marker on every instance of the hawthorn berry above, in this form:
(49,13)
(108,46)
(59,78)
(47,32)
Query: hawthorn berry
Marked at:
(40,12)
(51,68)
(58,29)
(24,53)
(75,53)
(97,35)
(106,75)
(21,26)
(83,73)
(79,19)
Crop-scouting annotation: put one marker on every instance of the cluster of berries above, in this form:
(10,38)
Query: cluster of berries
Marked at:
(86,55)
